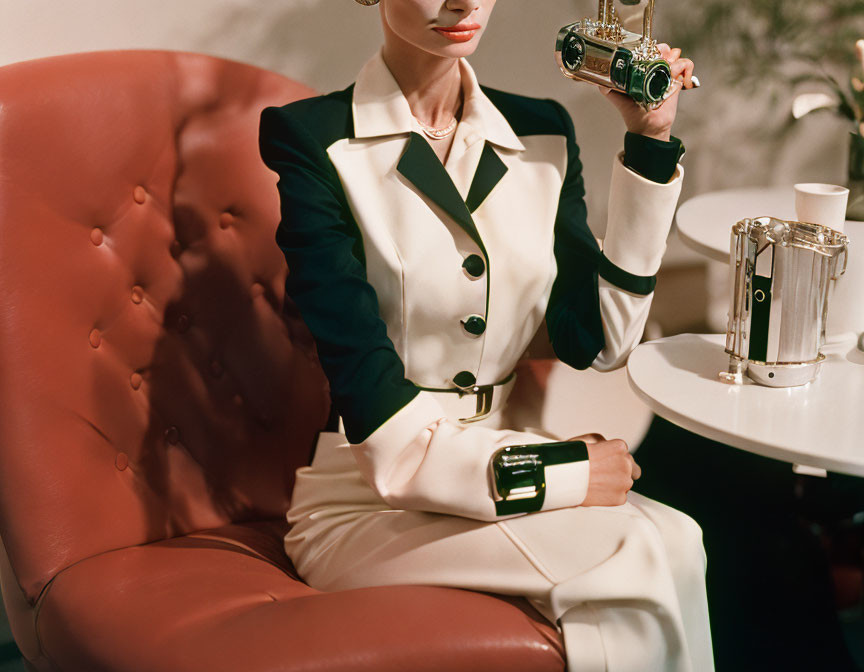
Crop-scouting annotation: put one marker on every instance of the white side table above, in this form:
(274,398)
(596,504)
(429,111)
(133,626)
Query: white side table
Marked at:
(705,222)
(820,424)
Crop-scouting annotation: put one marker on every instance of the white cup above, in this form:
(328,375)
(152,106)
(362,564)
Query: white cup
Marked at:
(823,204)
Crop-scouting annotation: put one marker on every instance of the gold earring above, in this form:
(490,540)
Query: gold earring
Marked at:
(367,3)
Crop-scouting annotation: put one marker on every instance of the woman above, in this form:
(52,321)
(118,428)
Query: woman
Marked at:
(429,225)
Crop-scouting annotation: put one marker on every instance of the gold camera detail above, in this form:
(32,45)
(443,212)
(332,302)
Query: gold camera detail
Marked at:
(602,52)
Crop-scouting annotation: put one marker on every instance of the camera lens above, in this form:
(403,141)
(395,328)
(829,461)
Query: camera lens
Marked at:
(573,52)
(657,82)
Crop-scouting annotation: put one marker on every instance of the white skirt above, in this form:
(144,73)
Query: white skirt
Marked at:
(624,584)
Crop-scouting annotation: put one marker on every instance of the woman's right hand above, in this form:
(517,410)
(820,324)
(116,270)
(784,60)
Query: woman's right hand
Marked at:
(611,473)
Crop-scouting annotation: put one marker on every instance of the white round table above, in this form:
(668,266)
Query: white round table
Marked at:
(705,222)
(820,424)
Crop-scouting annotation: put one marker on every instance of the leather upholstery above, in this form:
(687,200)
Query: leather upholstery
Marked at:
(158,393)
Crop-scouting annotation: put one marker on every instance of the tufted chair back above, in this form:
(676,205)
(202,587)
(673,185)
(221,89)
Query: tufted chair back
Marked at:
(152,381)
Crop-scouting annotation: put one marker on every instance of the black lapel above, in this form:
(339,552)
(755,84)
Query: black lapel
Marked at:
(420,166)
(490,170)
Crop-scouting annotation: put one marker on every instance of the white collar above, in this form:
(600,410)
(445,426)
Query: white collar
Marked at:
(380,107)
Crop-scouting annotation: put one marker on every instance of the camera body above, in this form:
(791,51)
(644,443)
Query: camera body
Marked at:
(602,52)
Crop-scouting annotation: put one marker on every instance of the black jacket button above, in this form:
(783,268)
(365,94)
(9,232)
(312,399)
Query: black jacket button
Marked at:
(474,324)
(474,265)
(464,379)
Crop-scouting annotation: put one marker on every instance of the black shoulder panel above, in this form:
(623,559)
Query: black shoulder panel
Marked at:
(527,116)
(326,118)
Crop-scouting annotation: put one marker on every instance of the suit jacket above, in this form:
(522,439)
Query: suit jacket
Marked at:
(416,277)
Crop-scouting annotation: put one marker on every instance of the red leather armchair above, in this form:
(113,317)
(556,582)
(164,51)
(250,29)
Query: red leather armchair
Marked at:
(157,394)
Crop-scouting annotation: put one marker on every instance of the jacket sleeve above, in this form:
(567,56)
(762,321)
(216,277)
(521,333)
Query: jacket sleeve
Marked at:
(600,299)
(405,447)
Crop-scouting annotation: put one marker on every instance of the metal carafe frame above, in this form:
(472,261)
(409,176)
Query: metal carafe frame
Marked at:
(781,280)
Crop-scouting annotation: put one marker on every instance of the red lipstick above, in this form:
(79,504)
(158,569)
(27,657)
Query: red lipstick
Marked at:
(461,32)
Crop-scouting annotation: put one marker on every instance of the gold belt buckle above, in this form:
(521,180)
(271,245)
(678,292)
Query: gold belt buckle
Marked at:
(484,401)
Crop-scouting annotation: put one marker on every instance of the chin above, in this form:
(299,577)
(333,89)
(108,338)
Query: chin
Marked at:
(455,53)
(453,50)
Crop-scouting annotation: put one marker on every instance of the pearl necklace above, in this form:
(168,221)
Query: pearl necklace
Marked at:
(438,133)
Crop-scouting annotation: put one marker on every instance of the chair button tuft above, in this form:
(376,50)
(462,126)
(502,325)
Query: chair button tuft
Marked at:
(135,380)
(95,338)
(96,236)
(183,324)
(139,194)
(121,461)
(175,248)
(257,289)
(137,294)
(172,435)
(225,220)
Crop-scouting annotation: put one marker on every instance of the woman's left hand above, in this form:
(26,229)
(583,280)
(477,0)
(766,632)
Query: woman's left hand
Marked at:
(655,123)
(599,438)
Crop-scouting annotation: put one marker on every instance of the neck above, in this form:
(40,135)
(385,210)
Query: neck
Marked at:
(431,84)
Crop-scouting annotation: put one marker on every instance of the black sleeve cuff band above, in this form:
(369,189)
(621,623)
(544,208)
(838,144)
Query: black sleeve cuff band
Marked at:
(636,284)
(653,159)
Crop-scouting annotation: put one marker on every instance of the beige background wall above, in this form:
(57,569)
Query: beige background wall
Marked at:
(324,42)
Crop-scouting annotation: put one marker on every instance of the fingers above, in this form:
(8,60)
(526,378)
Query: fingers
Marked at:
(619,446)
(683,69)
(668,53)
(637,470)
(688,74)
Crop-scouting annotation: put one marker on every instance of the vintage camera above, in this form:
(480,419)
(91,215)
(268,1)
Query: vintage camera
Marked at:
(602,52)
